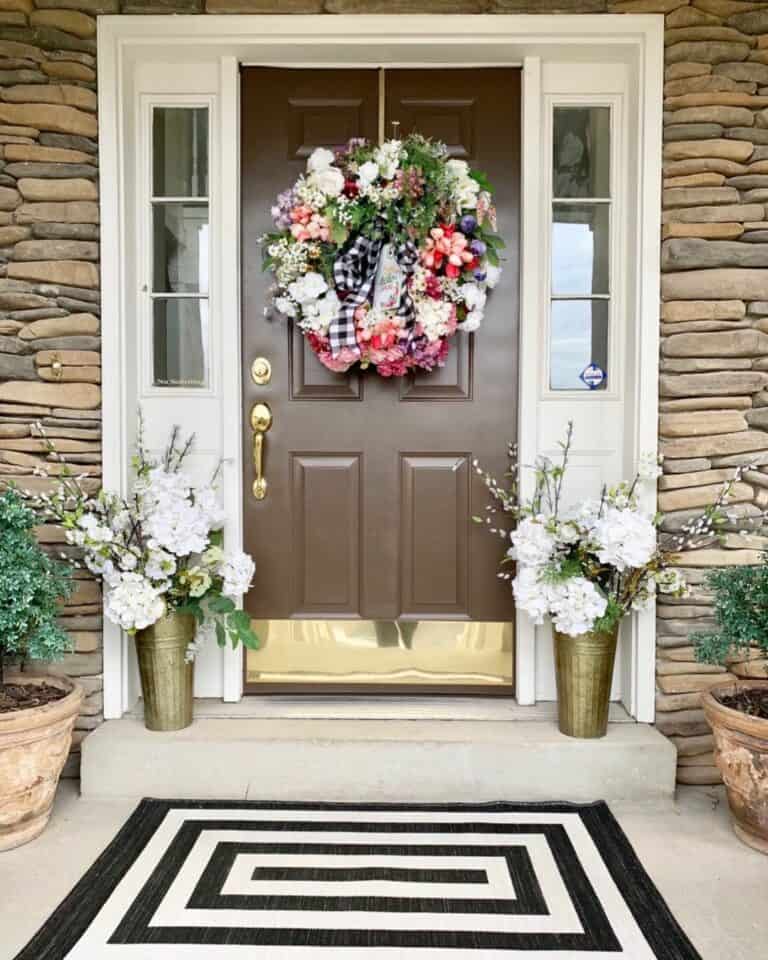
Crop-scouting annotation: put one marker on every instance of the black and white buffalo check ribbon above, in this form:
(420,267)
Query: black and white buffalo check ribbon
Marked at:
(354,273)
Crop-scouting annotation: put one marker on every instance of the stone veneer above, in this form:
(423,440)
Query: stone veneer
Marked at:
(714,316)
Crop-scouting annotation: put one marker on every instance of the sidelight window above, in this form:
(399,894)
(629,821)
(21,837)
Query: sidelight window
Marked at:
(180,246)
(580,243)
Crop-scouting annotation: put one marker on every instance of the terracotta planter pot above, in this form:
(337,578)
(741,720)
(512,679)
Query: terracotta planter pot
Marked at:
(741,753)
(34,745)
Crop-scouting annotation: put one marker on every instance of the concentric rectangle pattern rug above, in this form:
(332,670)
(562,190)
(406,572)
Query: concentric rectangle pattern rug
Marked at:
(224,881)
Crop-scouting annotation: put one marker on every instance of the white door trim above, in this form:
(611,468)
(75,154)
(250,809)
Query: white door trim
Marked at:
(365,40)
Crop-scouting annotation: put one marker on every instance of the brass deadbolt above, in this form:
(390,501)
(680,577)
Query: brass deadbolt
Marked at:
(261,371)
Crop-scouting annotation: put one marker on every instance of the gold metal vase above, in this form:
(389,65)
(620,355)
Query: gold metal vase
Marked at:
(167,678)
(584,671)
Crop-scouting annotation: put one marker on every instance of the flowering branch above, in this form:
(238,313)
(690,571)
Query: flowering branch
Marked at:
(159,549)
(587,567)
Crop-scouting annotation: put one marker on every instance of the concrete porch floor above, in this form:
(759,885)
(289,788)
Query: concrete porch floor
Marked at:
(716,887)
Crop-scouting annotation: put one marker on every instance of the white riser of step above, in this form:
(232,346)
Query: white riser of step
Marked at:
(408,761)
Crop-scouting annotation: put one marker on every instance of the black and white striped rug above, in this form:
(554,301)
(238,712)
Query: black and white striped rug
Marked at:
(229,881)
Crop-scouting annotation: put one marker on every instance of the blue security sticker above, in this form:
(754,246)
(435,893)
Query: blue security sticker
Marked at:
(593,375)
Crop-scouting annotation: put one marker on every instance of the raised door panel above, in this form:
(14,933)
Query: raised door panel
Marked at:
(449,120)
(310,380)
(325,513)
(451,382)
(435,520)
(323,122)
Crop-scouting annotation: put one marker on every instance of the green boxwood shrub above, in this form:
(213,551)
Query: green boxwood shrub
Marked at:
(32,585)
(741,612)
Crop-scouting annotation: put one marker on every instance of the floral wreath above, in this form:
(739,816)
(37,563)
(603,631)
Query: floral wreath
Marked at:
(383,252)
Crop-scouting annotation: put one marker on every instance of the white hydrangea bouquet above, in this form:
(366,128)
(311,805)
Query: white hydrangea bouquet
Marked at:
(159,550)
(586,567)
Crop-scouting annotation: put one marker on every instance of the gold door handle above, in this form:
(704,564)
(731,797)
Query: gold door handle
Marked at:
(261,421)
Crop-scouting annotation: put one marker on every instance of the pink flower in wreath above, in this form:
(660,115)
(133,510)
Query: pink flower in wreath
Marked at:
(301,213)
(341,363)
(393,368)
(389,354)
(315,228)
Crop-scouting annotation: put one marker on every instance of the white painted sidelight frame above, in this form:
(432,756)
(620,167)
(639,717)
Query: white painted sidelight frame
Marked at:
(538,44)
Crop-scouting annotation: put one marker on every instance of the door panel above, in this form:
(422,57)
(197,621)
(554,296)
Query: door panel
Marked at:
(326,510)
(368,511)
(433,558)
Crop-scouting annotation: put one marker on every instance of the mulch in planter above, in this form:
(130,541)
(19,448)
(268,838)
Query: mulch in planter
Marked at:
(22,696)
(753,702)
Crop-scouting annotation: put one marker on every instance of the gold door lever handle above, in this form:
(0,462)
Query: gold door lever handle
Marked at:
(261,421)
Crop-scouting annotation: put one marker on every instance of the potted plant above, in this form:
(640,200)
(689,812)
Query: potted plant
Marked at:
(585,567)
(737,710)
(37,712)
(168,581)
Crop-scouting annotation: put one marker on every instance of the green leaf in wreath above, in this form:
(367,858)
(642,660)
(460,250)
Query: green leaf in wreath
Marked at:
(221,636)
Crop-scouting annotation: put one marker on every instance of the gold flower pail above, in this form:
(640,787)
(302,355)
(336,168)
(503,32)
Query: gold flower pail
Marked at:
(167,679)
(584,671)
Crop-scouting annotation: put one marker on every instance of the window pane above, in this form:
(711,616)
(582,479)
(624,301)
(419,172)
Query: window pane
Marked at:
(580,248)
(180,151)
(180,249)
(180,343)
(579,338)
(581,152)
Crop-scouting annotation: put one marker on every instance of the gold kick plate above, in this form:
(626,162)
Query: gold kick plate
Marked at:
(261,421)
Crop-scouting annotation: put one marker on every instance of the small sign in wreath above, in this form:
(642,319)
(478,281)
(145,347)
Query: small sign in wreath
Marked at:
(383,252)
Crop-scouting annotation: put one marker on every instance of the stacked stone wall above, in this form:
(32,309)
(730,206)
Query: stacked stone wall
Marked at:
(714,315)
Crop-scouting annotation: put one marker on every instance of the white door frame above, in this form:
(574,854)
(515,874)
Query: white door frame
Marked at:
(535,42)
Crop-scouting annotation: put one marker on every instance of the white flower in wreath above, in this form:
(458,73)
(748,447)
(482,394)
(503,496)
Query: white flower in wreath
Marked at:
(286,306)
(308,288)
(463,187)
(492,276)
(329,181)
(388,158)
(368,173)
(625,538)
(474,297)
(472,321)
(318,315)
(434,317)
(320,159)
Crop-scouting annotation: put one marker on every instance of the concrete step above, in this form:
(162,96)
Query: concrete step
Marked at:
(375,760)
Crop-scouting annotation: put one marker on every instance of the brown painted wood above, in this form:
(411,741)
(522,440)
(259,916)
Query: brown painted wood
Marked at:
(370,480)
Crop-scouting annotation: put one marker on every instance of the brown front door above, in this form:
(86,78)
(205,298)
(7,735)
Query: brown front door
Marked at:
(370,481)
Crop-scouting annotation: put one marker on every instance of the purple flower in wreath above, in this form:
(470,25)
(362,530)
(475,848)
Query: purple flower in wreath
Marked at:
(281,211)
(478,248)
(468,224)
